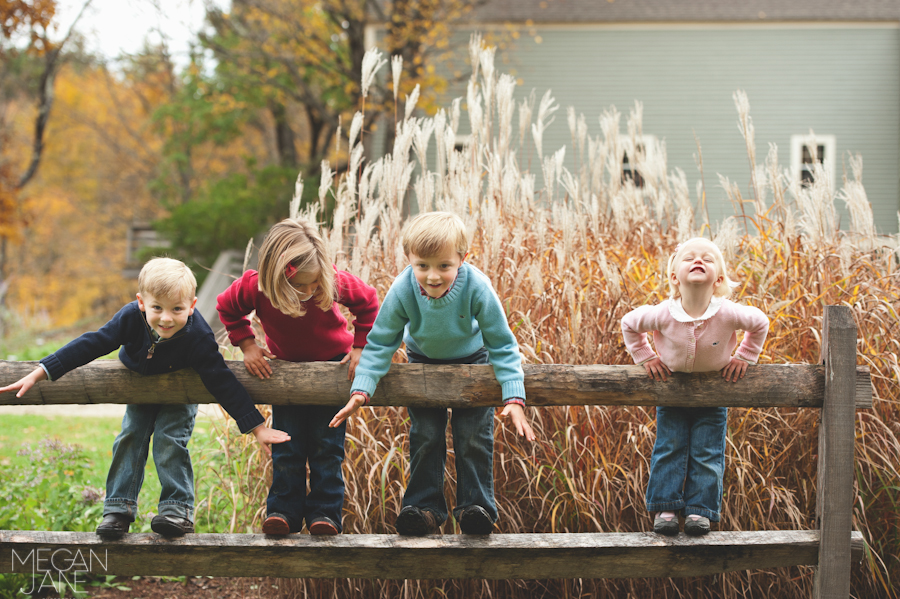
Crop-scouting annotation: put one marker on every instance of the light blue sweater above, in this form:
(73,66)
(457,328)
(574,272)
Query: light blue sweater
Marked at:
(457,325)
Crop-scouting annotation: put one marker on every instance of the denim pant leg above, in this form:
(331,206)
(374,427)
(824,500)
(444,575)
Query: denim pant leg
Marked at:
(473,443)
(427,457)
(287,495)
(706,465)
(668,464)
(129,458)
(174,425)
(325,452)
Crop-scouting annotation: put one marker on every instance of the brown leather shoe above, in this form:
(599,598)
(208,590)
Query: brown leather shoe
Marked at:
(113,526)
(171,526)
(276,524)
(324,526)
(474,520)
(411,521)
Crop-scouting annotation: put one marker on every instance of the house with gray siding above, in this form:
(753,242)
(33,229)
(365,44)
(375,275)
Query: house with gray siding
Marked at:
(827,66)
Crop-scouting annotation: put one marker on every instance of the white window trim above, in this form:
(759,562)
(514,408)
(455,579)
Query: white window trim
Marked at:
(648,141)
(797,143)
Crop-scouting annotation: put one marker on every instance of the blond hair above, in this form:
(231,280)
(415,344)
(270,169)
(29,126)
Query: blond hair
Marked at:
(295,242)
(166,278)
(723,290)
(427,235)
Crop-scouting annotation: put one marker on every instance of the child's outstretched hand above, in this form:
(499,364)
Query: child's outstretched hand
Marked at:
(517,414)
(266,436)
(255,358)
(356,400)
(26,382)
(657,370)
(353,358)
(735,370)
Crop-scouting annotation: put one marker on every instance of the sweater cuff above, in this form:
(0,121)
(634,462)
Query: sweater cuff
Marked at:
(364,384)
(359,337)
(250,421)
(642,355)
(239,334)
(513,389)
(747,357)
(53,366)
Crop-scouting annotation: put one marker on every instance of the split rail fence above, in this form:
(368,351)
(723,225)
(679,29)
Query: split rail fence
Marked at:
(836,386)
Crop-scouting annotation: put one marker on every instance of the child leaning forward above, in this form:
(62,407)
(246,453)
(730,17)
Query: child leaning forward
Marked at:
(447,313)
(159,333)
(693,331)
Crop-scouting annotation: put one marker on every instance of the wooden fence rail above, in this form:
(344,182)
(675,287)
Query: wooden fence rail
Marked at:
(838,387)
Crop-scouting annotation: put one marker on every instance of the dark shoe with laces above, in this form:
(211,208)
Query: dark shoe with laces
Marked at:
(171,526)
(113,526)
(665,526)
(276,524)
(474,520)
(696,528)
(324,526)
(411,521)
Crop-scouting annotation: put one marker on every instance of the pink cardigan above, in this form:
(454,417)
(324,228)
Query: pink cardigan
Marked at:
(685,344)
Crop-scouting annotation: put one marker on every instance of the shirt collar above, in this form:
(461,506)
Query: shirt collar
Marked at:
(678,313)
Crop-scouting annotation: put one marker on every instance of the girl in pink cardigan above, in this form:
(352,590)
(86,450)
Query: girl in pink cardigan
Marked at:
(693,331)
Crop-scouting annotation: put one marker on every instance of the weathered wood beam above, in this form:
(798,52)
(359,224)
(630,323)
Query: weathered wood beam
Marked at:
(500,556)
(834,485)
(426,385)
(324,383)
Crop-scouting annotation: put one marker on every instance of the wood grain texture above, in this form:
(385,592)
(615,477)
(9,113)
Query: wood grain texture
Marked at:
(501,556)
(427,385)
(834,496)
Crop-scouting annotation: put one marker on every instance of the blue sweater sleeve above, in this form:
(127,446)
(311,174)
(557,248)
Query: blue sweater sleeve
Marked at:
(500,342)
(382,341)
(126,324)
(220,381)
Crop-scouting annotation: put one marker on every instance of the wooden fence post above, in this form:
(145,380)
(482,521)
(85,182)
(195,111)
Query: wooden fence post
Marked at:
(834,501)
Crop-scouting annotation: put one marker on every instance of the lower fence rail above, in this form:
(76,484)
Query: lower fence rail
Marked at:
(498,556)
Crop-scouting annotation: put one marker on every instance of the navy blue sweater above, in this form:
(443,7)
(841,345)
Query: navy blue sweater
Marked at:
(194,346)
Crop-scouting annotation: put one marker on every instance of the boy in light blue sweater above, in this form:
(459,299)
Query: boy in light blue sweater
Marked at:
(447,312)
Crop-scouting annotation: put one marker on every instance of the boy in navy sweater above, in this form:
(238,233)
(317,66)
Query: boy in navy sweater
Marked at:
(160,332)
(447,312)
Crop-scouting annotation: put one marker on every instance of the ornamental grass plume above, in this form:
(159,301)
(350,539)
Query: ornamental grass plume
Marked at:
(570,250)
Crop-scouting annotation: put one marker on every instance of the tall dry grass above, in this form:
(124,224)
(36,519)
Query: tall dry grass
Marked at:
(569,259)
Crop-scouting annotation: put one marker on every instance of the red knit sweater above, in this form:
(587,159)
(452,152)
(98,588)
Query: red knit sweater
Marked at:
(314,337)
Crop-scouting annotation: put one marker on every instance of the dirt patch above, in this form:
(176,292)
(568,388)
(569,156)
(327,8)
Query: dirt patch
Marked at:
(194,588)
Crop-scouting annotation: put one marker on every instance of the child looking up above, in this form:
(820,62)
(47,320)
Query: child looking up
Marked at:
(447,313)
(159,333)
(693,331)
(295,295)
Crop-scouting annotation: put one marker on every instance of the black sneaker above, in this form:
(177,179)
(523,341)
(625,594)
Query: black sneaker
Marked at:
(474,520)
(113,526)
(171,526)
(411,521)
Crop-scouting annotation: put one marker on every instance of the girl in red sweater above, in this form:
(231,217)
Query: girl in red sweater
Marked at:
(295,295)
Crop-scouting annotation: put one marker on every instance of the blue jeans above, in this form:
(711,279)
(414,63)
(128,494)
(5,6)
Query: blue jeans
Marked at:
(313,442)
(171,427)
(688,461)
(473,444)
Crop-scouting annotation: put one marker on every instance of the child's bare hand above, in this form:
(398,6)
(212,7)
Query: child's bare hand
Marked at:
(353,358)
(735,370)
(26,382)
(657,370)
(517,414)
(267,436)
(356,400)
(255,359)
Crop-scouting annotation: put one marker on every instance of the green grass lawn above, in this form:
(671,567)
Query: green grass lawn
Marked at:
(32,448)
